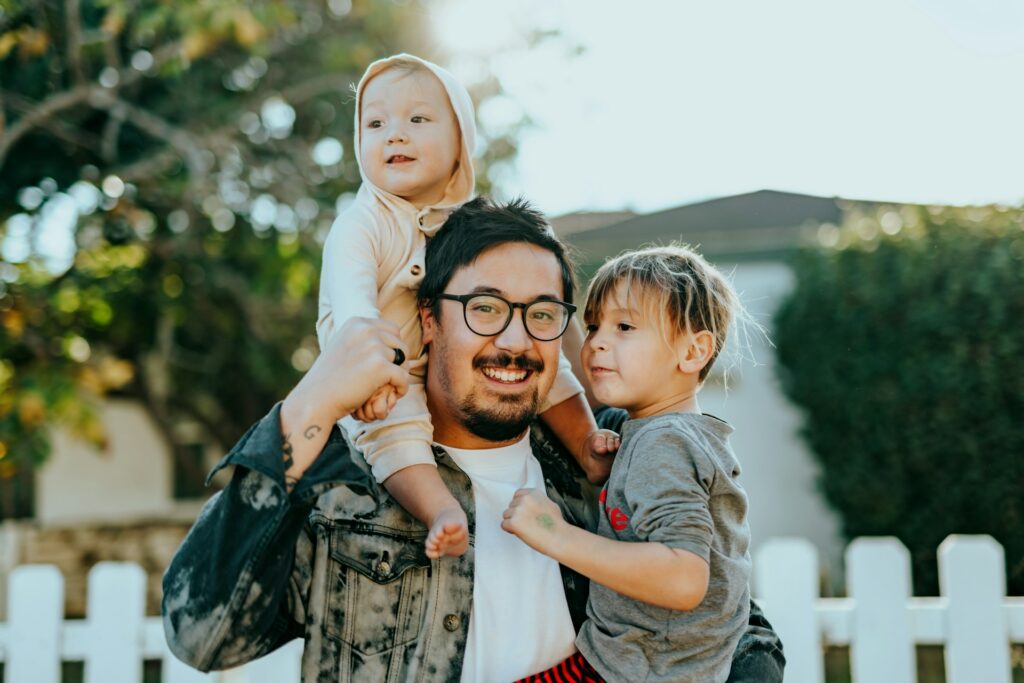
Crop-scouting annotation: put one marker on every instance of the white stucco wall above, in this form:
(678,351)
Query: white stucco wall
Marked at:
(778,470)
(129,481)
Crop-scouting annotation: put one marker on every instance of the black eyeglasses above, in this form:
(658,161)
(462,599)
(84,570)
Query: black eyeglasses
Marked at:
(488,315)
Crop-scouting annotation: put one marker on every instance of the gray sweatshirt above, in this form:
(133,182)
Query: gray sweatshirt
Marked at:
(673,482)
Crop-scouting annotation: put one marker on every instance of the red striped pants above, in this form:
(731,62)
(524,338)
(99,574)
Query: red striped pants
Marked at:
(575,669)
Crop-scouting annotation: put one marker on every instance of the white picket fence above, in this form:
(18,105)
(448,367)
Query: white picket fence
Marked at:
(973,620)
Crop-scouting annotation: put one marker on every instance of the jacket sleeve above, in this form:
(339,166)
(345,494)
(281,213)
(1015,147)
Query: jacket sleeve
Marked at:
(238,586)
(758,657)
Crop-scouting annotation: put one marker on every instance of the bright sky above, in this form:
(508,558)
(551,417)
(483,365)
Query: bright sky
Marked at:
(674,101)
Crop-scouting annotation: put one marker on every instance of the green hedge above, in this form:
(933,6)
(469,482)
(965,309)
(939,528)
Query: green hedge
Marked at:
(903,344)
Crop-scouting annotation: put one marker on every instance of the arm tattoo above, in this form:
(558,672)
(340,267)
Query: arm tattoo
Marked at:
(311,431)
(286,452)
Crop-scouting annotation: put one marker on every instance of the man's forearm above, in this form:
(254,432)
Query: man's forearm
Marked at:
(304,432)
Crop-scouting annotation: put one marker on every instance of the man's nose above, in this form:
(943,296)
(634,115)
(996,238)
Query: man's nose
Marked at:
(514,338)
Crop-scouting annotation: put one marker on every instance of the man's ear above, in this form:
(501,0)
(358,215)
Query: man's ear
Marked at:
(694,351)
(428,322)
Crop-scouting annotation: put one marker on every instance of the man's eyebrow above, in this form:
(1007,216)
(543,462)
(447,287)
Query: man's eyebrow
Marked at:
(483,289)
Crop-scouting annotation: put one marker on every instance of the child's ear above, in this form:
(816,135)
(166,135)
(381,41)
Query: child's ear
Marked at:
(428,322)
(694,351)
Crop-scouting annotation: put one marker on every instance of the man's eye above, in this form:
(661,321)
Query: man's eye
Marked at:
(542,316)
(482,308)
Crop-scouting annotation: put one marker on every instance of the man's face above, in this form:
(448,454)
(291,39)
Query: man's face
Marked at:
(484,391)
(409,136)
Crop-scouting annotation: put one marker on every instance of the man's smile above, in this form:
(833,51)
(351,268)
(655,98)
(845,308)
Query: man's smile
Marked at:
(506,376)
(508,370)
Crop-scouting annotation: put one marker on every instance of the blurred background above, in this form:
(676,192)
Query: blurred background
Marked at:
(168,172)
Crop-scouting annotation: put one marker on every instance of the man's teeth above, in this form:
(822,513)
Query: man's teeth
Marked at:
(505,375)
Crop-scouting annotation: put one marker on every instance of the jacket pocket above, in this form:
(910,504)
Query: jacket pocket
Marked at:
(377,587)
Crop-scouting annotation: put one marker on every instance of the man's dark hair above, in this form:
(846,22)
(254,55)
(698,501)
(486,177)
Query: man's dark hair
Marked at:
(479,225)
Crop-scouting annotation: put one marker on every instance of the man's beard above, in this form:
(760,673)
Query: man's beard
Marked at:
(503,417)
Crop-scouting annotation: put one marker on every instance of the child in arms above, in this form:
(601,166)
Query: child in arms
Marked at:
(669,564)
(414,138)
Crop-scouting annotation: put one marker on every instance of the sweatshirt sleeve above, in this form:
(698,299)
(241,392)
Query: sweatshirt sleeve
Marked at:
(349,279)
(401,439)
(565,385)
(668,487)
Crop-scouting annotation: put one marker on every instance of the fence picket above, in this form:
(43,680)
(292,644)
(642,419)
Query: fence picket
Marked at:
(173,670)
(116,609)
(281,666)
(878,579)
(787,578)
(880,621)
(36,612)
(972,577)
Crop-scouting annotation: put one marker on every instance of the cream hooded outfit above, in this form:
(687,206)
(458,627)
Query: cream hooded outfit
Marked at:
(372,266)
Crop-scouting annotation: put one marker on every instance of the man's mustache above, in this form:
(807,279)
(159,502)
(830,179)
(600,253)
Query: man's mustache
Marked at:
(506,360)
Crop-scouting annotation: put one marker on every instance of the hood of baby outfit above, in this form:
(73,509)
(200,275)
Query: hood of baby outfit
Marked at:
(460,186)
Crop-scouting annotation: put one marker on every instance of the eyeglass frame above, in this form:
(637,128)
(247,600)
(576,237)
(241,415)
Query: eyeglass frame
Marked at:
(512,306)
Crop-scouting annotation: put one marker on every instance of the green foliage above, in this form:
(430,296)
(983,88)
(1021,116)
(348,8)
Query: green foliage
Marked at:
(181,138)
(903,343)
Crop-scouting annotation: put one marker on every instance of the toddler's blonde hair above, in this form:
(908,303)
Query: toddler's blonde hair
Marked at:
(673,286)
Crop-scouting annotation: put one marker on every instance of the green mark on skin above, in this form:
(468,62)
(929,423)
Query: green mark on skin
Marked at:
(546,521)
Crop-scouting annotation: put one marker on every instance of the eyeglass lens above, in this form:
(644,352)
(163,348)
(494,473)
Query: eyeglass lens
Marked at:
(545,320)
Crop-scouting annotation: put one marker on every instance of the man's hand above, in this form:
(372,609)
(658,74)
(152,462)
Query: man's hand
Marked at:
(600,448)
(535,519)
(357,362)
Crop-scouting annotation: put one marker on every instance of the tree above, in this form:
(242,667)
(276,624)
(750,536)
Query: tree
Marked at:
(903,344)
(168,171)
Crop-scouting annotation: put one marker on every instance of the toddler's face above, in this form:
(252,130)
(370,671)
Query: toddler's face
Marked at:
(409,137)
(626,358)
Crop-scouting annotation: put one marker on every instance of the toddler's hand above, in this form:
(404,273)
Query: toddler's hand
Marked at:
(601,447)
(535,519)
(378,405)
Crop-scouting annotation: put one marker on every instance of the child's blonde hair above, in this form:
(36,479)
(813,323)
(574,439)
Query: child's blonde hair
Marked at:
(673,286)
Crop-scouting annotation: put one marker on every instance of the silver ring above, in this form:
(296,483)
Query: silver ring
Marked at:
(399,357)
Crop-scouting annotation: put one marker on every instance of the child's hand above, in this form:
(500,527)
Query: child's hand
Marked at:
(378,405)
(535,519)
(600,448)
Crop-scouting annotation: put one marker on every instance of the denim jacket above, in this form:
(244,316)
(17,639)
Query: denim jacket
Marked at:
(340,564)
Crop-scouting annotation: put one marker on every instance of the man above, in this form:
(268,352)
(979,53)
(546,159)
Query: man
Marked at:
(303,543)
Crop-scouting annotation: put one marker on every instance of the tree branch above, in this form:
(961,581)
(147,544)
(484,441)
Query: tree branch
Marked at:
(73,26)
(47,109)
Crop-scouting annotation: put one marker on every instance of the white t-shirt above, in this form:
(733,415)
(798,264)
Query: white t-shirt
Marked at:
(520,622)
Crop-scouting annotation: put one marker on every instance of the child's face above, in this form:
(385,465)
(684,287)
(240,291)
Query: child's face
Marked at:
(627,360)
(409,137)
